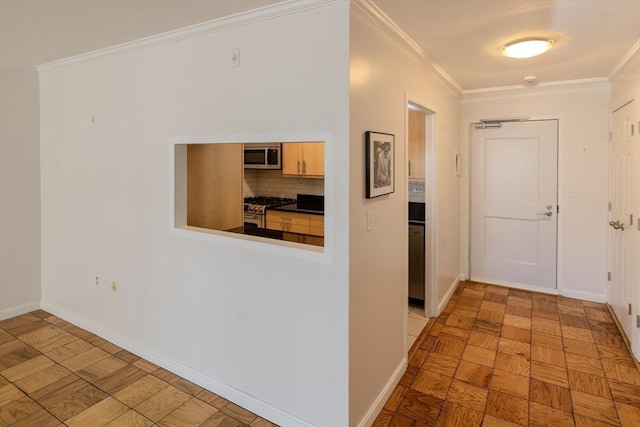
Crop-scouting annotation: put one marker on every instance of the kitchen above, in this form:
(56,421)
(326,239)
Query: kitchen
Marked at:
(269,190)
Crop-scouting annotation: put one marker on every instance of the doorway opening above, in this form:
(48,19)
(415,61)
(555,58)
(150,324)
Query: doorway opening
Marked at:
(420,137)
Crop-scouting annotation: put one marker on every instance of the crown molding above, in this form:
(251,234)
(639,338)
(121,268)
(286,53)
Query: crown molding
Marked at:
(597,80)
(382,20)
(632,52)
(264,13)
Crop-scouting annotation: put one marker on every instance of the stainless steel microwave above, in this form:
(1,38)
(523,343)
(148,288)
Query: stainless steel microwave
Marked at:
(262,156)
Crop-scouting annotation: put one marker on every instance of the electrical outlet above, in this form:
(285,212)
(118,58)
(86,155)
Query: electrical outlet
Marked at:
(369,220)
(114,286)
(97,280)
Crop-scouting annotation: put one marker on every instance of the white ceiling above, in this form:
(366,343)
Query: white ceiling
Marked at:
(462,36)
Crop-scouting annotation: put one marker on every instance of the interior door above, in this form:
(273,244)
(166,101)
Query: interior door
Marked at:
(514,182)
(624,231)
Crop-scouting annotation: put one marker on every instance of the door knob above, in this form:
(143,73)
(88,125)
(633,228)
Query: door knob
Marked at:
(617,225)
(546,213)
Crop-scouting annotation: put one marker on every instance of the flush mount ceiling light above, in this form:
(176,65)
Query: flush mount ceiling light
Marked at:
(527,48)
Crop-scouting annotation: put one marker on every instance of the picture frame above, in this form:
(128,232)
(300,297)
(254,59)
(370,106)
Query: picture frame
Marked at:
(379,163)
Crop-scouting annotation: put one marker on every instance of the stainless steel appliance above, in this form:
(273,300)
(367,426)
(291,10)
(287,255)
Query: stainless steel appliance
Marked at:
(416,250)
(262,156)
(255,208)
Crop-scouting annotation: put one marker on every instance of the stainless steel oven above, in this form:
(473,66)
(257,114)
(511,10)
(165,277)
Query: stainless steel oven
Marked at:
(255,209)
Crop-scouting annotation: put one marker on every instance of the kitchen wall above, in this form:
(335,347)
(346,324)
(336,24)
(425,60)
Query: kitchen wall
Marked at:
(385,75)
(19,191)
(582,111)
(273,183)
(263,325)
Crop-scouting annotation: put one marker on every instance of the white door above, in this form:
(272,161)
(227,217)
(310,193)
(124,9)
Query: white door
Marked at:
(624,234)
(514,182)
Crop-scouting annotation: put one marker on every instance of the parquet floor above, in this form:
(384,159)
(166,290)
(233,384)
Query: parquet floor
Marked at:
(53,373)
(504,357)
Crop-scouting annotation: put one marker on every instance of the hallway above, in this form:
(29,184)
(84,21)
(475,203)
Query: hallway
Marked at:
(503,357)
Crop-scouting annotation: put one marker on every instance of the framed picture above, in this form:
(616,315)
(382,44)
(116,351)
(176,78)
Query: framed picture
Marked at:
(379,163)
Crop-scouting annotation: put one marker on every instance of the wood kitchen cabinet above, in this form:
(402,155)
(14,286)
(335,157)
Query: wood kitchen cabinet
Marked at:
(416,154)
(296,222)
(214,186)
(305,159)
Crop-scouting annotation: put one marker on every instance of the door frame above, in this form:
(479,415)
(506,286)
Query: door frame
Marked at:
(465,200)
(430,265)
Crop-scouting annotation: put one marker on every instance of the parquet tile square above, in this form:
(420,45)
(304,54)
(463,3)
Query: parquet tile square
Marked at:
(515,333)
(394,400)
(193,413)
(625,393)
(546,326)
(462,322)
(549,341)
(444,365)
(242,414)
(85,359)
(580,347)
(75,403)
(27,368)
(99,414)
(212,399)
(449,347)
(589,383)
(584,364)
(467,395)
(509,383)
(509,346)
(473,374)
(491,421)
(457,415)
(479,355)
(508,407)
(623,373)
(67,351)
(547,355)
(432,383)
(594,407)
(518,311)
(629,415)
(579,334)
(130,419)
(517,321)
(40,418)
(551,395)
(42,378)
(484,340)
(491,316)
(548,373)
(515,364)
(17,410)
(141,390)
(161,404)
(545,416)
(420,407)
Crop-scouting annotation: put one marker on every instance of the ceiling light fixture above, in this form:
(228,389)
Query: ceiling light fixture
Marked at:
(527,48)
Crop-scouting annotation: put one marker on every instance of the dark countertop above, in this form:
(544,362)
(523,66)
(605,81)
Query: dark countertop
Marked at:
(306,204)
(298,207)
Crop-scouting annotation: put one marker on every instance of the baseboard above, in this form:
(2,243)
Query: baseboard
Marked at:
(587,296)
(19,310)
(382,398)
(520,286)
(442,304)
(230,393)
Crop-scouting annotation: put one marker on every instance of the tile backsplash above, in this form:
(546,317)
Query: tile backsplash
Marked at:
(416,191)
(273,183)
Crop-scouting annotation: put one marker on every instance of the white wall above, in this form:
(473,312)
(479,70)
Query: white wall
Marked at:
(382,72)
(263,325)
(19,191)
(582,110)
